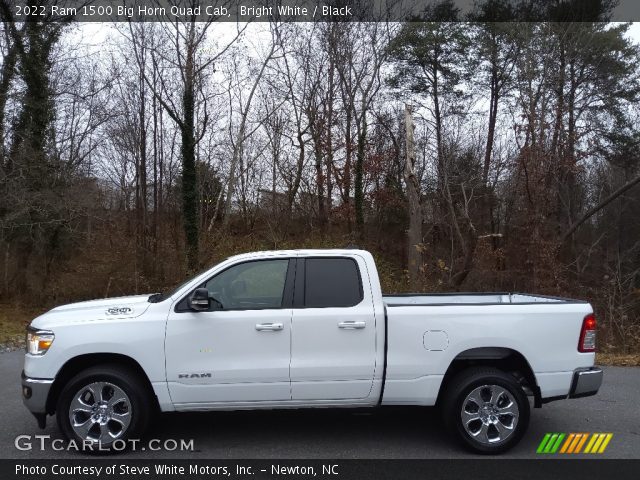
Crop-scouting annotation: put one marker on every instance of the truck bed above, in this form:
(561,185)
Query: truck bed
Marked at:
(497,298)
(426,333)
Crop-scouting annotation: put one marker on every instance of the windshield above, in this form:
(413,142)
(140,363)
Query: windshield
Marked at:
(168,292)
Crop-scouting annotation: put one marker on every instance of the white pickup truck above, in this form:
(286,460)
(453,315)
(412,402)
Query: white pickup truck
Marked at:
(300,329)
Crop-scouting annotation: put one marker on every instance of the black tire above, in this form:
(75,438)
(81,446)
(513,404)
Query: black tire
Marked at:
(473,380)
(135,409)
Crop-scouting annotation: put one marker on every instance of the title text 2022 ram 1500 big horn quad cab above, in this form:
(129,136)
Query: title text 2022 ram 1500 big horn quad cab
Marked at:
(306,328)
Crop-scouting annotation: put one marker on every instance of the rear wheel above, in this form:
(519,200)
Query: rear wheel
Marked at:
(486,409)
(103,405)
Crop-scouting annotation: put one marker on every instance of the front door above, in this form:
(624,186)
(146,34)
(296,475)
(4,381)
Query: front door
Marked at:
(240,350)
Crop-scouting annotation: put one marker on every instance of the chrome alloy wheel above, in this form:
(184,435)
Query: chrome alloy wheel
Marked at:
(490,414)
(100,412)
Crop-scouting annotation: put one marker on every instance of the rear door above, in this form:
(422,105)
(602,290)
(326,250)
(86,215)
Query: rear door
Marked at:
(333,332)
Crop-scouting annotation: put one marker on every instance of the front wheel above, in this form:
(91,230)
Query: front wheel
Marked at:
(486,409)
(102,408)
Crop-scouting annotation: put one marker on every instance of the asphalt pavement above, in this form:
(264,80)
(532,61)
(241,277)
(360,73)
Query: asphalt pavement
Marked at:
(389,432)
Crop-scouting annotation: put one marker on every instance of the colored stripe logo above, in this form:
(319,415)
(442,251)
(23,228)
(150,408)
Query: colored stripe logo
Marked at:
(574,443)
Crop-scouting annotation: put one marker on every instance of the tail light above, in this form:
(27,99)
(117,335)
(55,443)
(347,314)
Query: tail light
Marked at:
(587,341)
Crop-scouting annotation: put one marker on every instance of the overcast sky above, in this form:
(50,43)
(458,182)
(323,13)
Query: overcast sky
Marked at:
(634,31)
(96,32)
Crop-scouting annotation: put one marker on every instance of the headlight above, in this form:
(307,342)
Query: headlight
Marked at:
(39,341)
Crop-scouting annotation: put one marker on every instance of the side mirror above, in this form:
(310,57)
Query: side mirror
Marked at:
(199,300)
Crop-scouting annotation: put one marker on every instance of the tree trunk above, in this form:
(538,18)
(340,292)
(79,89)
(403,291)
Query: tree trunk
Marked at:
(141,173)
(329,156)
(156,209)
(359,178)
(322,214)
(438,124)
(6,76)
(493,113)
(414,234)
(346,194)
(295,185)
(487,196)
(592,211)
(189,180)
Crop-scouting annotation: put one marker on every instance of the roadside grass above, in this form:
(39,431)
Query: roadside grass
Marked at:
(13,321)
(618,359)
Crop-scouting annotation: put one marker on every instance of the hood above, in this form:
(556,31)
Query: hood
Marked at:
(104,309)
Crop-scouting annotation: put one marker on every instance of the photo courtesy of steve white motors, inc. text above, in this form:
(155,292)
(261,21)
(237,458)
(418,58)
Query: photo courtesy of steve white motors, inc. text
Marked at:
(167,469)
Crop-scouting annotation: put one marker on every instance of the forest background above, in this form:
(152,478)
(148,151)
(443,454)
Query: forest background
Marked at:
(466,153)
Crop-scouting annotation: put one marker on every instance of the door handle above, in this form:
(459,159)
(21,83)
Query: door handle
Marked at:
(269,327)
(351,325)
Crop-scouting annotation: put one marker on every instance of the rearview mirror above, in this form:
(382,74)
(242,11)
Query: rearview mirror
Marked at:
(199,300)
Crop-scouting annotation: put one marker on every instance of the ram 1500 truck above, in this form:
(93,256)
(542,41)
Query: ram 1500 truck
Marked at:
(307,328)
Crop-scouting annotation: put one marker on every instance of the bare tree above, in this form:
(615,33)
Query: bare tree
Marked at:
(188,39)
(238,140)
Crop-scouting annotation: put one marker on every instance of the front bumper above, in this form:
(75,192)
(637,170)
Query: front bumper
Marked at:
(586,382)
(35,392)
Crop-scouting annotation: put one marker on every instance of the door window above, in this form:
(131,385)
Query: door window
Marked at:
(250,286)
(332,282)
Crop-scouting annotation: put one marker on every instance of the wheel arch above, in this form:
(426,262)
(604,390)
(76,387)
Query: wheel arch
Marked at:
(75,365)
(506,359)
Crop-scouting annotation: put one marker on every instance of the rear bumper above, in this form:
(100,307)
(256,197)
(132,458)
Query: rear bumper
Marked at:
(35,392)
(586,382)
